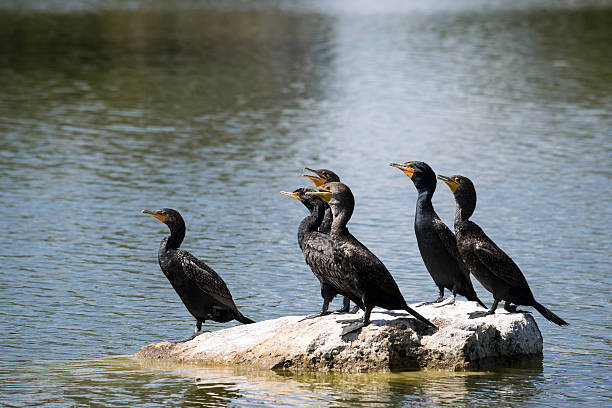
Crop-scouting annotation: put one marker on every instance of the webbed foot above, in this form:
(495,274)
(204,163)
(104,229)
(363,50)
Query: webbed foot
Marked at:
(474,315)
(438,300)
(448,301)
(314,316)
(193,336)
(512,309)
(351,328)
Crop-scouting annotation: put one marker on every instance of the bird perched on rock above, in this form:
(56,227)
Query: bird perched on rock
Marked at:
(320,177)
(367,280)
(201,289)
(437,244)
(317,250)
(493,268)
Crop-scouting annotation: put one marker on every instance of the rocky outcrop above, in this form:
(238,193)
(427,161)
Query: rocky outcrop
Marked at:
(393,341)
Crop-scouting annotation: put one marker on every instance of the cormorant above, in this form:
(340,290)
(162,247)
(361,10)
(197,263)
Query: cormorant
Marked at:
(317,248)
(437,244)
(493,268)
(368,281)
(323,176)
(327,176)
(203,292)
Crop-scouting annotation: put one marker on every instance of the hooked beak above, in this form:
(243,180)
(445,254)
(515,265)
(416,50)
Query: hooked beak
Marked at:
(406,168)
(323,193)
(452,184)
(155,214)
(317,180)
(292,195)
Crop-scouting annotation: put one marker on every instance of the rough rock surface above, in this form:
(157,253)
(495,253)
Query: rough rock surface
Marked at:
(393,341)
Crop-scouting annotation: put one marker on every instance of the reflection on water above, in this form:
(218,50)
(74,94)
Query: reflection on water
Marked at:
(109,108)
(122,381)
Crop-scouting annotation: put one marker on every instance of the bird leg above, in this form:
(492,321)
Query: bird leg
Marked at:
(363,323)
(196,332)
(512,308)
(480,313)
(449,300)
(324,311)
(346,305)
(438,300)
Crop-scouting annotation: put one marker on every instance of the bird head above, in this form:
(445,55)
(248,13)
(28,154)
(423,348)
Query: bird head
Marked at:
(321,176)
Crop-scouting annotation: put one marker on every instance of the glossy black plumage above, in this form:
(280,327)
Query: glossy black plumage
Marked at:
(320,177)
(437,244)
(493,268)
(317,250)
(368,281)
(323,176)
(203,292)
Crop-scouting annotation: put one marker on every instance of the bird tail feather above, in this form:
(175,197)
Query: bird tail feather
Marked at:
(474,298)
(547,313)
(243,319)
(418,316)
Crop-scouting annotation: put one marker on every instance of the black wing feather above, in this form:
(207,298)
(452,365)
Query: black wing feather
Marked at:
(206,279)
(499,263)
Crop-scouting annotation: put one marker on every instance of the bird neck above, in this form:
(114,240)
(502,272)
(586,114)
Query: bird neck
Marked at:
(311,222)
(463,213)
(328,218)
(174,240)
(424,200)
(341,218)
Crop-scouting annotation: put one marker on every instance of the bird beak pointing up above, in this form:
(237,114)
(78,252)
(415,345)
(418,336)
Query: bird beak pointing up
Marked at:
(292,195)
(452,184)
(323,194)
(155,214)
(317,180)
(406,168)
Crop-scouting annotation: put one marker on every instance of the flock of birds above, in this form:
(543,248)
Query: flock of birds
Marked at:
(344,266)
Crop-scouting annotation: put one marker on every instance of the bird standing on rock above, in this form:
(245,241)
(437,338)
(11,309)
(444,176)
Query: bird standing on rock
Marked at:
(320,177)
(368,280)
(493,268)
(437,244)
(201,289)
(317,249)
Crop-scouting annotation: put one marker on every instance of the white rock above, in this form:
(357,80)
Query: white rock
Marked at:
(393,341)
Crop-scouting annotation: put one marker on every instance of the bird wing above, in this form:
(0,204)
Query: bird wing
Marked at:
(450,243)
(500,264)
(206,279)
(365,267)
(319,255)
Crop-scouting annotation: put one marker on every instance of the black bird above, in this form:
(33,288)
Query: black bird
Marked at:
(368,281)
(323,176)
(317,249)
(437,243)
(202,291)
(493,268)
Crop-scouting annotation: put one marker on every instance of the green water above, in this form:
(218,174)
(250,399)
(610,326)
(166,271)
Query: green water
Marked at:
(107,108)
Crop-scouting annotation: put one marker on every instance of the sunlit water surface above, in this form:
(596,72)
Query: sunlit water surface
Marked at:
(107,108)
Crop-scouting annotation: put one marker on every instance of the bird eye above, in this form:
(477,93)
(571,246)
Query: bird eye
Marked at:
(457,180)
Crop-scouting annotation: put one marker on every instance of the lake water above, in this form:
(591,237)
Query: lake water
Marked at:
(107,108)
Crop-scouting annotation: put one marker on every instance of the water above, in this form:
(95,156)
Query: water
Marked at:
(107,108)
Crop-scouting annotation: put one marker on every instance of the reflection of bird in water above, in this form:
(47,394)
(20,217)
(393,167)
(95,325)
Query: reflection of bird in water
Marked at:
(493,268)
(437,244)
(320,177)
(317,248)
(368,281)
(202,291)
